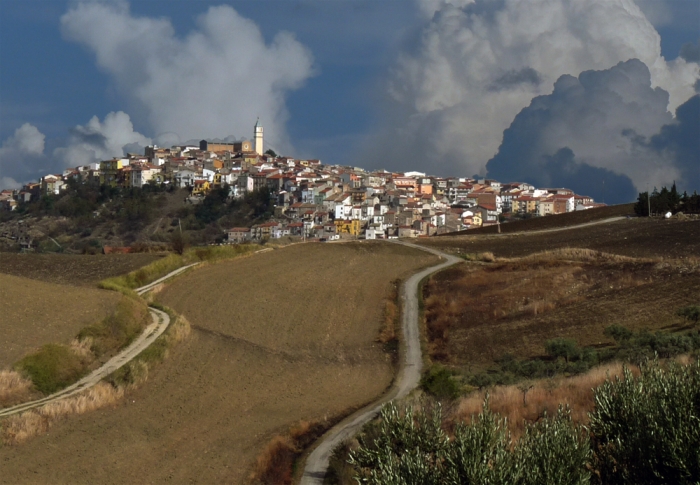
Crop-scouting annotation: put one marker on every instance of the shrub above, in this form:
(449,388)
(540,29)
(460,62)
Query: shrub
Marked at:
(690,313)
(561,347)
(646,430)
(412,448)
(439,382)
(52,368)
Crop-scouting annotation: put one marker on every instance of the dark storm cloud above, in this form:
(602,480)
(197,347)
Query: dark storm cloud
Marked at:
(681,139)
(591,128)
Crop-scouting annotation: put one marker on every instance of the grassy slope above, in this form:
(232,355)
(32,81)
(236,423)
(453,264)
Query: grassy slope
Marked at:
(282,336)
(34,313)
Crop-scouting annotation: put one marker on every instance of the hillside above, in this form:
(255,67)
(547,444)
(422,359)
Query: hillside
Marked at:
(34,313)
(279,337)
(635,237)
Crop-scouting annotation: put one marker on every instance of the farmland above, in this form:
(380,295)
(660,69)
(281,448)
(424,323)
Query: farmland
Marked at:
(70,269)
(34,313)
(477,314)
(283,336)
(635,237)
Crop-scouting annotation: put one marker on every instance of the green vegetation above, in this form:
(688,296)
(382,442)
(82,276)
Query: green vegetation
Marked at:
(690,313)
(413,448)
(163,266)
(565,356)
(646,430)
(52,367)
(119,329)
(643,430)
(439,382)
(667,201)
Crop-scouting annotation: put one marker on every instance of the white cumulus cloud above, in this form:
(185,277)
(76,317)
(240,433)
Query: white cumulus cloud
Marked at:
(475,64)
(101,140)
(213,82)
(21,155)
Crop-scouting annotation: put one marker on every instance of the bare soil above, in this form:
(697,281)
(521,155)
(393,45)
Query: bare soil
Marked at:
(279,337)
(33,313)
(77,270)
(636,237)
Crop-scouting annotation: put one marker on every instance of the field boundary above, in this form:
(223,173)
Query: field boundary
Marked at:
(316,464)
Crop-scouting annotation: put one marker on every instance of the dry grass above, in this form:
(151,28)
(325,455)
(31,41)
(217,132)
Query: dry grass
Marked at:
(582,255)
(275,465)
(390,318)
(18,428)
(528,402)
(14,388)
(476,313)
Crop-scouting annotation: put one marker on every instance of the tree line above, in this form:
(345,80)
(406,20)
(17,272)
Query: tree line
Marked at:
(665,200)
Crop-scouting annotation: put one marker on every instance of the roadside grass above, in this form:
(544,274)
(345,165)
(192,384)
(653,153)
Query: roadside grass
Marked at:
(136,372)
(119,329)
(18,428)
(391,321)
(52,368)
(163,266)
(14,388)
(276,464)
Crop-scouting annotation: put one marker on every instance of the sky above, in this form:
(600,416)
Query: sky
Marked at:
(597,95)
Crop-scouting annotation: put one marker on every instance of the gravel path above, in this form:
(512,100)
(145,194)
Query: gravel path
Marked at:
(160,323)
(409,375)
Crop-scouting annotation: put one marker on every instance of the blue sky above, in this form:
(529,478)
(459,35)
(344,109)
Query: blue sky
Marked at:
(380,83)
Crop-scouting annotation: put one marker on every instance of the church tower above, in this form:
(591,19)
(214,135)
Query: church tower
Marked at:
(258,137)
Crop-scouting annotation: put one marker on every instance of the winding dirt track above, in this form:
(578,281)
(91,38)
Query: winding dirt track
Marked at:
(160,323)
(409,375)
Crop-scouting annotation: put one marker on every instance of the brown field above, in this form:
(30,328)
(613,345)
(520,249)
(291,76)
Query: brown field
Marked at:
(636,237)
(280,337)
(33,313)
(77,270)
(476,313)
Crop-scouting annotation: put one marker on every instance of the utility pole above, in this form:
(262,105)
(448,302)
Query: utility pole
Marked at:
(648,201)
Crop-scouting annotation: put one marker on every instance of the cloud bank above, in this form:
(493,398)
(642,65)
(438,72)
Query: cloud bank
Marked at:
(476,64)
(23,157)
(101,140)
(214,82)
(588,131)
(20,156)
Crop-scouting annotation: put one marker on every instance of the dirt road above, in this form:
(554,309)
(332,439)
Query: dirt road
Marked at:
(160,323)
(409,375)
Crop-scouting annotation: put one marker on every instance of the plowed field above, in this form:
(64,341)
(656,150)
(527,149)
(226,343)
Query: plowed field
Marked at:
(636,237)
(278,337)
(33,313)
(72,269)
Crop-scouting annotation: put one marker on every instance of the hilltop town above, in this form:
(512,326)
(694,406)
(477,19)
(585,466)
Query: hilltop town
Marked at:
(312,199)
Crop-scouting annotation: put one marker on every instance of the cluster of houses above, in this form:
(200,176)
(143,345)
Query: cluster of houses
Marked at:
(313,200)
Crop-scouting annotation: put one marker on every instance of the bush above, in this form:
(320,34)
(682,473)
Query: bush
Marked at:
(52,368)
(646,430)
(690,313)
(438,381)
(561,347)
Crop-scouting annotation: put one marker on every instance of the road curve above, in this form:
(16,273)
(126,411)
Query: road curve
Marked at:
(409,374)
(160,323)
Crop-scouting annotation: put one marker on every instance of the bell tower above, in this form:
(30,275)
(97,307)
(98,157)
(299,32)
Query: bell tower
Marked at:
(258,137)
